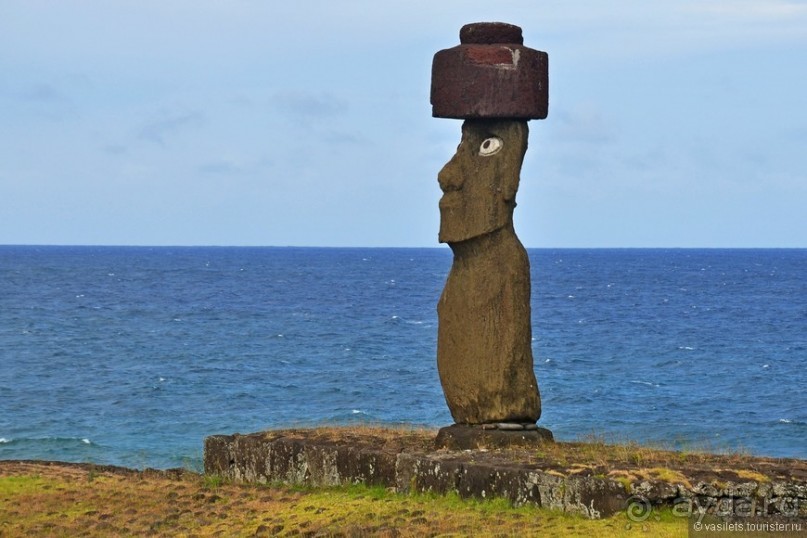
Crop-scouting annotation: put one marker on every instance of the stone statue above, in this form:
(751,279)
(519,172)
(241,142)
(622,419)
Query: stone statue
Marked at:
(484,342)
(484,338)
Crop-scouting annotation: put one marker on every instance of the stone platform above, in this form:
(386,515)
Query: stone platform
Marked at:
(506,435)
(571,477)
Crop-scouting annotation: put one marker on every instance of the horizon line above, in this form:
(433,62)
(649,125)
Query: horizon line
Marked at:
(433,247)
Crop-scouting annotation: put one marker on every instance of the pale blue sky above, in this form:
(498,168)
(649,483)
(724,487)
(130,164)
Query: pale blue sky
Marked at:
(671,123)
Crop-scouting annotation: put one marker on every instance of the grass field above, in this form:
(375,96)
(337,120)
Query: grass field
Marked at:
(53,499)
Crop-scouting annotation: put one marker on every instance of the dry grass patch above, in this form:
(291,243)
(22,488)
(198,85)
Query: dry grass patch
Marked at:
(399,439)
(756,476)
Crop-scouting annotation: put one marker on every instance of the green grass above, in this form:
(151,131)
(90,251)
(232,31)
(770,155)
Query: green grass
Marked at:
(18,485)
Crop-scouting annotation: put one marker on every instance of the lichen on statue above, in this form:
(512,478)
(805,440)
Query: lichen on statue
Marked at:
(484,345)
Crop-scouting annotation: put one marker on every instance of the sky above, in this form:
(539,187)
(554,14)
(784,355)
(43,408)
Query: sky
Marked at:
(671,123)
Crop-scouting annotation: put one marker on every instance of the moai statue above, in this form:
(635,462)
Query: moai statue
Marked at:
(484,342)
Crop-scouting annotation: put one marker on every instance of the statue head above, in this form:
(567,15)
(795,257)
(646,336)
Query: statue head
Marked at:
(495,83)
(480,181)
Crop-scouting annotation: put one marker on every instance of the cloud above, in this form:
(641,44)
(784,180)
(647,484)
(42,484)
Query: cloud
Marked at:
(169,123)
(43,93)
(583,124)
(310,106)
(42,100)
(752,9)
(115,149)
(219,168)
(342,138)
(231,167)
(796,134)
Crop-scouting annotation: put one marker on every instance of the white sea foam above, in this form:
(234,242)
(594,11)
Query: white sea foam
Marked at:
(686,347)
(357,412)
(86,441)
(648,383)
(785,421)
(4,440)
(766,365)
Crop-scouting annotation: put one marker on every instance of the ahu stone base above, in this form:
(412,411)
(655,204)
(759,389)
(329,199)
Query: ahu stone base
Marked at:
(272,457)
(408,462)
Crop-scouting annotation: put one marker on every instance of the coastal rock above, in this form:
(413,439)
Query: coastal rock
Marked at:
(655,489)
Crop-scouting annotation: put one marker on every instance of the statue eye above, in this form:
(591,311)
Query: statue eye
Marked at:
(490,146)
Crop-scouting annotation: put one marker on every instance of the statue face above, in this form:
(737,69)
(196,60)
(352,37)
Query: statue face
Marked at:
(479,183)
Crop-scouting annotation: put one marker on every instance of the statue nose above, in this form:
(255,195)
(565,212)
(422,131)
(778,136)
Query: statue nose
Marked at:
(450,177)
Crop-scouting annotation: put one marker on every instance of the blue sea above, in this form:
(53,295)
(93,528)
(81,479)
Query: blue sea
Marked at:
(132,356)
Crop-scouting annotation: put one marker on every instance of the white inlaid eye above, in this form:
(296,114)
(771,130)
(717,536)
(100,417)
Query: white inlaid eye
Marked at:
(490,146)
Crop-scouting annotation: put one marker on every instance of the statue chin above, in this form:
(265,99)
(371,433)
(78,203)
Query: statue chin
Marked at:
(460,236)
(456,227)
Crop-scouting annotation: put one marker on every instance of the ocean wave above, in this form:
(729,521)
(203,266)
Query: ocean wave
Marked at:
(47,440)
(398,319)
(648,383)
(791,421)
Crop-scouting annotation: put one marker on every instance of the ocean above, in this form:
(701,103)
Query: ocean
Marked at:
(132,355)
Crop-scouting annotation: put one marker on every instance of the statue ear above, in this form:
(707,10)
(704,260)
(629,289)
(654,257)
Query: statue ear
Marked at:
(519,133)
